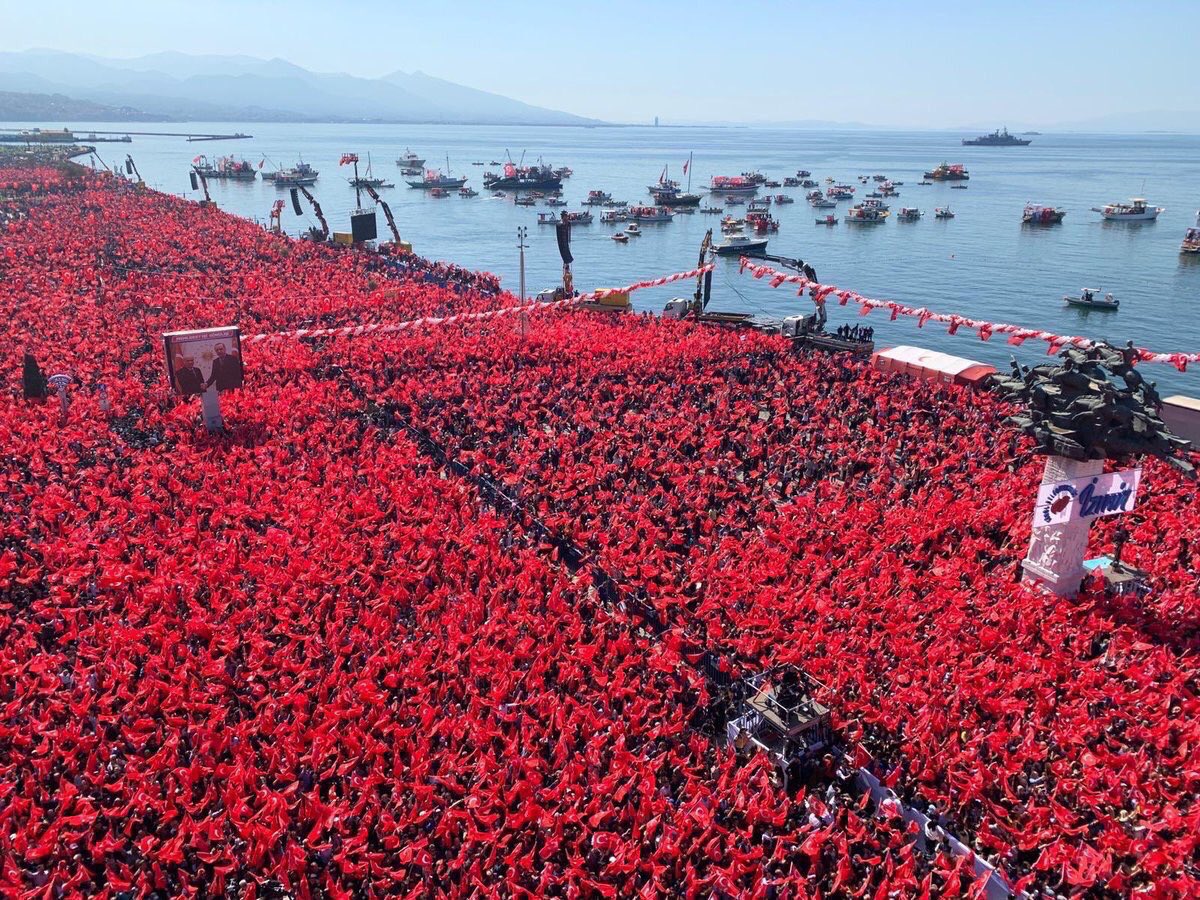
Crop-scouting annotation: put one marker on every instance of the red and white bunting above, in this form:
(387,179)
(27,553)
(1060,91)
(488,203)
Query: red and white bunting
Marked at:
(1017,334)
(386,327)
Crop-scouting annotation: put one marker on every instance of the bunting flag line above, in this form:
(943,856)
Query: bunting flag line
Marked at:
(386,327)
(1017,334)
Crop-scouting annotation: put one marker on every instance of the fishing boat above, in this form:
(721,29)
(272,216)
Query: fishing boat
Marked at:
(823,203)
(233,169)
(650,214)
(1136,210)
(735,201)
(524,178)
(302,174)
(879,205)
(369,180)
(524,201)
(1191,238)
(667,192)
(563,172)
(759,204)
(948,172)
(943,212)
(830,219)
(410,160)
(556,201)
(791,181)
(1088,299)
(597,198)
(621,237)
(469,192)
(840,192)
(732,184)
(888,189)
(410,172)
(803,173)
(711,210)
(633,229)
(739,244)
(613,215)
(1041,215)
(865,215)
(762,223)
(808,183)
(435,179)
(615,204)
(875,194)
(580,217)
(781,199)
(771,184)
(909,214)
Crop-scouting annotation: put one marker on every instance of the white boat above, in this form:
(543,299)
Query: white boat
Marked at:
(613,215)
(1136,210)
(865,215)
(908,214)
(943,212)
(555,201)
(633,229)
(1088,299)
(650,214)
(621,237)
(409,160)
(737,244)
(1191,238)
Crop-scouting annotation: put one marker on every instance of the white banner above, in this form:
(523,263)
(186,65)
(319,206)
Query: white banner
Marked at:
(1086,498)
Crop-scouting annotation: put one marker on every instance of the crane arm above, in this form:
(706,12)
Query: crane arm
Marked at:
(317,211)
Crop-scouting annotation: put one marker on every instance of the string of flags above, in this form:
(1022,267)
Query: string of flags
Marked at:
(1017,334)
(387,327)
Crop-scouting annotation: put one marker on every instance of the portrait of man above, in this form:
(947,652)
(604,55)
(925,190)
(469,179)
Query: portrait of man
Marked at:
(226,371)
(203,359)
(188,378)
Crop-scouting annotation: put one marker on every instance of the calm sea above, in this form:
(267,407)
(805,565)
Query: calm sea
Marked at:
(983,263)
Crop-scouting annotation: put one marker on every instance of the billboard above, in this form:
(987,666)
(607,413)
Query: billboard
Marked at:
(209,358)
(1084,499)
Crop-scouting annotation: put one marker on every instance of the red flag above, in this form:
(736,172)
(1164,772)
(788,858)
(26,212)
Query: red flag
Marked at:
(685,166)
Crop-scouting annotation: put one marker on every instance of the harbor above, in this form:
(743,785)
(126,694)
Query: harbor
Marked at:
(981,262)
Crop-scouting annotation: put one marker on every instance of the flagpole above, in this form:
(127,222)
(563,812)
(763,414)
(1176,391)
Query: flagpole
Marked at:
(689,190)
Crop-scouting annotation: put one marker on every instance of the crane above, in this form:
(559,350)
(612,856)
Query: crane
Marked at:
(197,173)
(276,215)
(387,213)
(132,169)
(316,210)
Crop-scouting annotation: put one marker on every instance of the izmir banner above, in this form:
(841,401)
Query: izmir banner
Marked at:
(1086,498)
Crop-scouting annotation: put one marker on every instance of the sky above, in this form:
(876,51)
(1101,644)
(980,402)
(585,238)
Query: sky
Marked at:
(930,64)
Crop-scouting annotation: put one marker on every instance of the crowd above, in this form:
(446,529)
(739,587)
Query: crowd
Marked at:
(305,658)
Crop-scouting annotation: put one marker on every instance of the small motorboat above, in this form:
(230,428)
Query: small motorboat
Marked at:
(633,229)
(771,184)
(908,214)
(875,194)
(613,215)
(467,192)
(1088,299)
(924,183)
(958,187)
(1191,239)
(780,199)
(830,219)
(712,210)
(499,195)
(943,212)
(524,201)
(808,183)
(824,203)
(621,237)
(1035,214)
(734,201)
(555,201)
(438,192)
(480,163)
(737,244)
(803,173)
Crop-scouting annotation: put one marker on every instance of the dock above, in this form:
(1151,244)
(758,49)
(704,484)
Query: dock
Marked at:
(10,135)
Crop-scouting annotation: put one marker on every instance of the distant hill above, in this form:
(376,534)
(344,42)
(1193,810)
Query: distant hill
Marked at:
(56,108)
(246,89)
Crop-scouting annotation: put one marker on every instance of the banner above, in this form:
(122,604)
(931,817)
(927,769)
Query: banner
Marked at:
(1088,498)
(1017,334)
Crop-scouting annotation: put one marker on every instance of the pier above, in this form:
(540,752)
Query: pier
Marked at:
(66,136)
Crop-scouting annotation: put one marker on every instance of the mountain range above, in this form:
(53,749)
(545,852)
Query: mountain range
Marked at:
(245,89)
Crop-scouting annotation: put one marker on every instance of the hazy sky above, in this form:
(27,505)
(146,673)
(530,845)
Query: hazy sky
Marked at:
(925,64)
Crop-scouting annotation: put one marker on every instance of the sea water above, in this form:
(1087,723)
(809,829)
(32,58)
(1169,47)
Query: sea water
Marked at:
(983,263)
